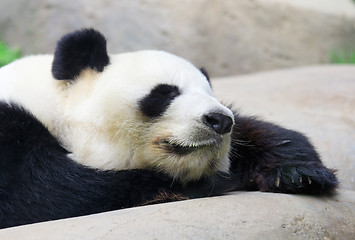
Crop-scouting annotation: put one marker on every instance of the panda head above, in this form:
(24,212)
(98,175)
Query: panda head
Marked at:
(147,109)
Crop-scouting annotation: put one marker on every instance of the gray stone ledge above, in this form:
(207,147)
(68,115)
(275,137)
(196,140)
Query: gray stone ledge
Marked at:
(333,7)
(241,215)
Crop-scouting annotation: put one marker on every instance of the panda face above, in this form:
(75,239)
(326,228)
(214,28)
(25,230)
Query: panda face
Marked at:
(153,110)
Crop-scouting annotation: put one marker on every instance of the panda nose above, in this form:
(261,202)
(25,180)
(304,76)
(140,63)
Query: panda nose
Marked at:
(220,123)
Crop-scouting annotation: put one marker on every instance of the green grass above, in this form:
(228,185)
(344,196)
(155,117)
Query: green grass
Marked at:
(343,57)
(7,54)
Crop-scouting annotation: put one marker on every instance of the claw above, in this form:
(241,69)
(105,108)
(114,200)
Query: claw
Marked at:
(277,182)
(309,181)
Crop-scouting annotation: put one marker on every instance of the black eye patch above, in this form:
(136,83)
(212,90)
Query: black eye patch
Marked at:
(158,100)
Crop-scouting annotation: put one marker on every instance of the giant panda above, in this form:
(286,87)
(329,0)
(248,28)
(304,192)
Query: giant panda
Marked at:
(82,132)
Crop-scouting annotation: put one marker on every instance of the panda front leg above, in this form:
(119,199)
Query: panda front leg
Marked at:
(270,158)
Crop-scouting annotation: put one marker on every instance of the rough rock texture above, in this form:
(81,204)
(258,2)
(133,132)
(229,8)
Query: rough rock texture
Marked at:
(227,37)
(316,100)
(250,215)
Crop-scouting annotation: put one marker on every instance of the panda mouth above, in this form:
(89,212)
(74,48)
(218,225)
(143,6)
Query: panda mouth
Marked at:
(184,149)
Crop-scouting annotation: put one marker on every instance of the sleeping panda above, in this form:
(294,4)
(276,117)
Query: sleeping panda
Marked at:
(83,132)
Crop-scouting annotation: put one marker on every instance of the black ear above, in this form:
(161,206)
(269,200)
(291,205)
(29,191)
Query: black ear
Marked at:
(204,72)
(77,51)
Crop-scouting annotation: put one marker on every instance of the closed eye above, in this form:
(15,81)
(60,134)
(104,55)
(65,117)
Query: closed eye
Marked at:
(167,91)
(158,100)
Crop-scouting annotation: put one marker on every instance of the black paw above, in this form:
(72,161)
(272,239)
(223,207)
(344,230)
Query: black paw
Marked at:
(311,178)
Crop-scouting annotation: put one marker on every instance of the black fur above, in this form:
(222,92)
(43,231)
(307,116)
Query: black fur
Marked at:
(158,100)
(38,182)
(269,158)
(79,50)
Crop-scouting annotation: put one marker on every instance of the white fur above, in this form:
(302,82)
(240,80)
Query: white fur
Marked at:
(96,117)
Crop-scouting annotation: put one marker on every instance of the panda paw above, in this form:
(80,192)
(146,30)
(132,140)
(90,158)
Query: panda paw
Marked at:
(300,178)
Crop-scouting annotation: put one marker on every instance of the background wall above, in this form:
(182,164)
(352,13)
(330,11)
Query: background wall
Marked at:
(225,36)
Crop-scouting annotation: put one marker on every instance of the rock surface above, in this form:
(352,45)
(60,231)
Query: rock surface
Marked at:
(250,215)
(226,37)
(318,101)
